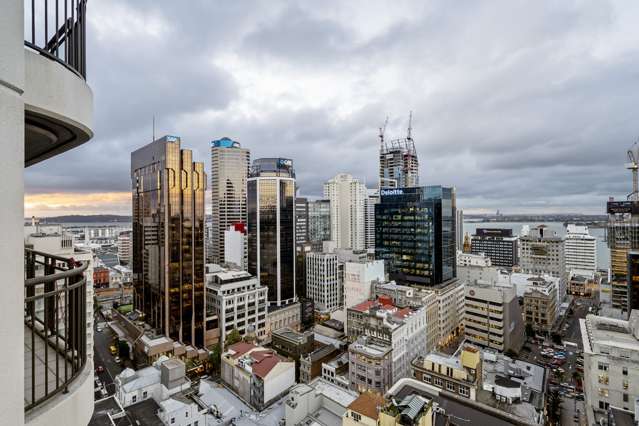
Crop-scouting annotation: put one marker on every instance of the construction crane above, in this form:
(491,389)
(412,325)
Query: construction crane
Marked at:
(634,166)
(382,130)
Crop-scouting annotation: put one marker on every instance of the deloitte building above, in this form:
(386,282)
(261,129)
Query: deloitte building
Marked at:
(415,234)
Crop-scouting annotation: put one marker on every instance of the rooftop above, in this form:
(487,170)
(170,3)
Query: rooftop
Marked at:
(368,404)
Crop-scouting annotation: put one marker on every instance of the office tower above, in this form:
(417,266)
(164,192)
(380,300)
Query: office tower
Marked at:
(499,245)
(322,281)
(503,328)
(580,249)
(633,280)
(229,173)
(347,197)
(168,239)
(235,246)
(398,163)
(542,252)
(459,228)
(319,221)
(124,247)
(415,234)
(271,227)
(301,220)
(623,236)
(369,219)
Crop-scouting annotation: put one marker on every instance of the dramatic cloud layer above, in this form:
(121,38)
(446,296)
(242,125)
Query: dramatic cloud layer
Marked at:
(525,107)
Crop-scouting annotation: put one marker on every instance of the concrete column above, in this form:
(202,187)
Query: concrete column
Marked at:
(12,211)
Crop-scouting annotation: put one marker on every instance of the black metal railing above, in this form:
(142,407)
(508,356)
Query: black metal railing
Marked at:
(55,321)
(57,30)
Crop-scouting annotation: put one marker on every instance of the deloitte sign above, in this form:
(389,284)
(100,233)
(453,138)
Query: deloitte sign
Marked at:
(397,191)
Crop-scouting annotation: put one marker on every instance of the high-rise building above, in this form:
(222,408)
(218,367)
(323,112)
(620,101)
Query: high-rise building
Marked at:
(168,239)
(580,249)
(271,227)
(347,197)
(229,173)
(498,244)
(322,281)
(359,280)
(542,252)
(398,164)
(319,221)
(415,234)
(623,236)
(369,219)
(124,247)
(301,220)
(459,228)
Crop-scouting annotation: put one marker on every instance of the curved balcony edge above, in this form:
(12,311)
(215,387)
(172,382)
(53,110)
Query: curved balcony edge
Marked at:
(58,107)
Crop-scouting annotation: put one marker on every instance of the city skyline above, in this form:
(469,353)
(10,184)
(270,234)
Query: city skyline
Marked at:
(480,96)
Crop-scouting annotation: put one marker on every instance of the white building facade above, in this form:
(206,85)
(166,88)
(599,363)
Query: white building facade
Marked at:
(580,249)
(347,197)
(322,281)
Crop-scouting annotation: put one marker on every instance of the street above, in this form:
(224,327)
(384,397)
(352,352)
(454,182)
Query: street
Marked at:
(102,357)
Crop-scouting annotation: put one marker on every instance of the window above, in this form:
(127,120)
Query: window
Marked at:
(603,405)
(356,416)
(186,414)
(624,371)
(450,386)
(464,391)
(144,394)
(603,366)
(172,420)
(438,382)
(625,397)
(134,399)
(196,423)
(427,378)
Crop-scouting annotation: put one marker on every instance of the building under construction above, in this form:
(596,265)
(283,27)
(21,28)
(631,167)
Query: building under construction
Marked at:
(623,237)
(398,164)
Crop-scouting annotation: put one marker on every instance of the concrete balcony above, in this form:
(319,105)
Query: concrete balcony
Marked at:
(58,376)
(58,103)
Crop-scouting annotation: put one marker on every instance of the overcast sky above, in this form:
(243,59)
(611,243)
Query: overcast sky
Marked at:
(523,106)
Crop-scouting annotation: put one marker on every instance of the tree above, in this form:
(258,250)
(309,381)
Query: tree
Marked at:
(530,331)
(233,337)
(553,407)
(215,358)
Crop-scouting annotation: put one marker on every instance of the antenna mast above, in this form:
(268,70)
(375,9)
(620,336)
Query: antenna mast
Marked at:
(153,128)
(410,126)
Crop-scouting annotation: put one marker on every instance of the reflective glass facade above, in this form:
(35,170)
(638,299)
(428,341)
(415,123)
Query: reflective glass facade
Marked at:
(271,228)
(168,239)
(415,234)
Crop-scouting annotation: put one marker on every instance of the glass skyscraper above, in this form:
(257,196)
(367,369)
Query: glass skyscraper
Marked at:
(229,173)
(271,227)
(168,239)
(415,234)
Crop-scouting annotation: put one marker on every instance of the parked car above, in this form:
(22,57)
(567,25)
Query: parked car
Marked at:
(99,369)
(99,329)
(113,350)
(117,359)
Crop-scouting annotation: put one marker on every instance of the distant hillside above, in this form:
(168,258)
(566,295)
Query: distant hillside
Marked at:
(96,218)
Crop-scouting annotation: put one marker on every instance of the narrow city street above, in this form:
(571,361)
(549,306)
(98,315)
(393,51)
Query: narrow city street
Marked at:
(102,357)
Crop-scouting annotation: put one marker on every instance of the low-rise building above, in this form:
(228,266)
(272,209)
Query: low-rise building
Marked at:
(492,317)
(279,317)
(373,410)
(238,301)
(257,375)
(364,411)
(497,244)
(359,279)
(450,311)
(370,365)
(311,363)
(317,403)
(611,364)
(583,283)
(459,373)
(541,305)
(477,267)
(401,329)
(335,371)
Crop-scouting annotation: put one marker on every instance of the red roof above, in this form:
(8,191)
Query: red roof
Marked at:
(403,313)
(364,306)
(240,348)
(263,362)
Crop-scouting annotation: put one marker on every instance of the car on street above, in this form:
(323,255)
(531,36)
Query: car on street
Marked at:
(117,359)
(99,369)
(99,329)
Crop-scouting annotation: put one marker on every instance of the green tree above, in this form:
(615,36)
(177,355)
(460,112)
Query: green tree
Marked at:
(233,337)
(553,407)
(215,358)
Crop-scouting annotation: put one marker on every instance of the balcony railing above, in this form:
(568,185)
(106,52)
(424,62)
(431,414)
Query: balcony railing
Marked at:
(55,338)
(57,30)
